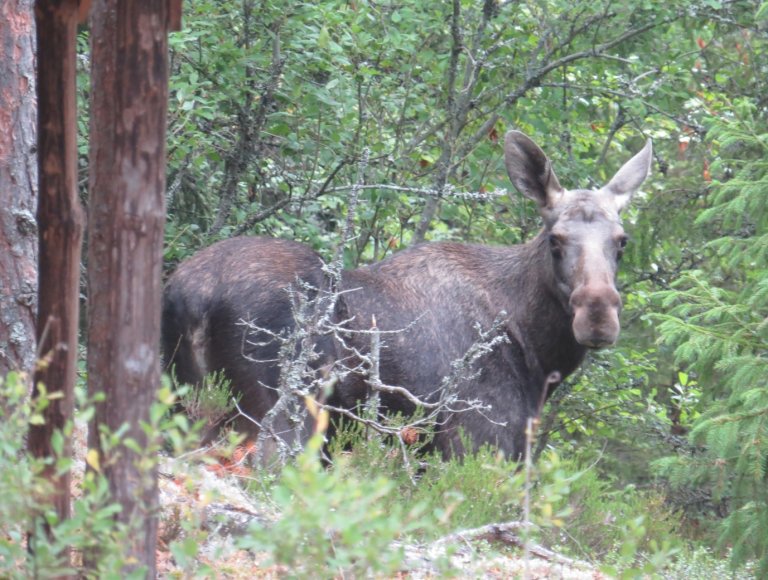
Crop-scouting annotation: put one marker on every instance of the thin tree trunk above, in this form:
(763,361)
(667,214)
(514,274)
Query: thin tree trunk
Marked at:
(18,181)
(60,221)
(127,213)
(452,127)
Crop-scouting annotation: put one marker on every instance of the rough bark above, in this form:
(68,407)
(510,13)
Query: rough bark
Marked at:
(60,222)
(18,182)
(126,217)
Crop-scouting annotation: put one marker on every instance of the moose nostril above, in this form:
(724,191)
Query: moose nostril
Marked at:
(613,297)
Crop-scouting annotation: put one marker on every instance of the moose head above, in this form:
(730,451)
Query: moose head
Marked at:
(583,232)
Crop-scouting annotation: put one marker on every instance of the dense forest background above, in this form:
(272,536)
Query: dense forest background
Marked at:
(661,444)
(274,108)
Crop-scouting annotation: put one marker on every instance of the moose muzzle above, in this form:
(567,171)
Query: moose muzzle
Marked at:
(596,315)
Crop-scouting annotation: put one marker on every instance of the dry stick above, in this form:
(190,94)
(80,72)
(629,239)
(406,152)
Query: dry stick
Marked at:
(372,405)
(322,322)
(370,420)
(527,498)
(531,425)
(354,197)
(503,533)
(310,322)
(335,268)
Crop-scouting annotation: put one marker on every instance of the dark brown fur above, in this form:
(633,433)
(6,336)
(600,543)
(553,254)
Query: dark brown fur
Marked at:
(208,297)
(557,290)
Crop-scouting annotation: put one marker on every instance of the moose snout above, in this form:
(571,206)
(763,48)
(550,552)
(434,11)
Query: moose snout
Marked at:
(596,315)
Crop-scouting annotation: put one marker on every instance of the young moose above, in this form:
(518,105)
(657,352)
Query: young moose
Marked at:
(556,295)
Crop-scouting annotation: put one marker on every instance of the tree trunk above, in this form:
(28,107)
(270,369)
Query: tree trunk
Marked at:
(129,88)
(18,180)
(60,221)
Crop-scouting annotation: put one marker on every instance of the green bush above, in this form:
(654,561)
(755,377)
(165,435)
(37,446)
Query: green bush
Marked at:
(91,532)
(210,402)
(26,507)
(345,518)
(352,517)
(335,523)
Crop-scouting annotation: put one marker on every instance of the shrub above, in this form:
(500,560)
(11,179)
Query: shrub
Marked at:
(333,522)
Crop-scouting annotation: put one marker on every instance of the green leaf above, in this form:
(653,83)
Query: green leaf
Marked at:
(324,38)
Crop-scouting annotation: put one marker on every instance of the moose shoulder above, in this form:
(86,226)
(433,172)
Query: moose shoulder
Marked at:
(555,297)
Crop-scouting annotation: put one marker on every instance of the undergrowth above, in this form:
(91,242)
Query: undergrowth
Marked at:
(355,516)
(91,533)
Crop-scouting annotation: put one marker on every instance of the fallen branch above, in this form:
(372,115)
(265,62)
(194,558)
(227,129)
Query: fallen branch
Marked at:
(503,533)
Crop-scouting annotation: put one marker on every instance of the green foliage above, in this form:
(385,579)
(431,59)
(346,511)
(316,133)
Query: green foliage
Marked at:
(352,518)
(92,530)
(476,490)
(460,493)
(574,509)
(334,523)
(272,107)
(607,413)
(209,402)
(702,564)
(18,479)
(273,104)
(715,318)
(630,531)
(26,500)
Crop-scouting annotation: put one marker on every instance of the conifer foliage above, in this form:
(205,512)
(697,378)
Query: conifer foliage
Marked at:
(717,322)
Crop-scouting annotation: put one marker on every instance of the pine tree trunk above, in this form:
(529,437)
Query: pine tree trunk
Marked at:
(60,221)
(129,87)
(18,181)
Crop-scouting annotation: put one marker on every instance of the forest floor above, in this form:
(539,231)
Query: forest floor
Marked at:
(207,505)
(217,503)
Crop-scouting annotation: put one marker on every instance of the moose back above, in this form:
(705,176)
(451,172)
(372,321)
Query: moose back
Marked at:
(554,296)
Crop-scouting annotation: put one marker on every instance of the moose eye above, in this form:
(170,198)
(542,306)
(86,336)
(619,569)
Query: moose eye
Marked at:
(556,245)
(623,241)
(622,244)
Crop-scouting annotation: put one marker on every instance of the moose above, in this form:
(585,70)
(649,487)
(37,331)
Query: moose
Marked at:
(555,297)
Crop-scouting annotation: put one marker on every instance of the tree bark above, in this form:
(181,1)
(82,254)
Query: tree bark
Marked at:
(129,87)
(60,222)
(18,182)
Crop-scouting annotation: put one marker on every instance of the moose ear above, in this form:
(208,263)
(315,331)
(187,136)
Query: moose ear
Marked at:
(630,177)
(530,170)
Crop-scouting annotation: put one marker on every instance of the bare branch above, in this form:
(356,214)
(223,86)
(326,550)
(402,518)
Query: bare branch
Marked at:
(261,215)
(447,192)
(535,75)
(503,532)
(300,377)
(632,95)
(349,223)
(250,126)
